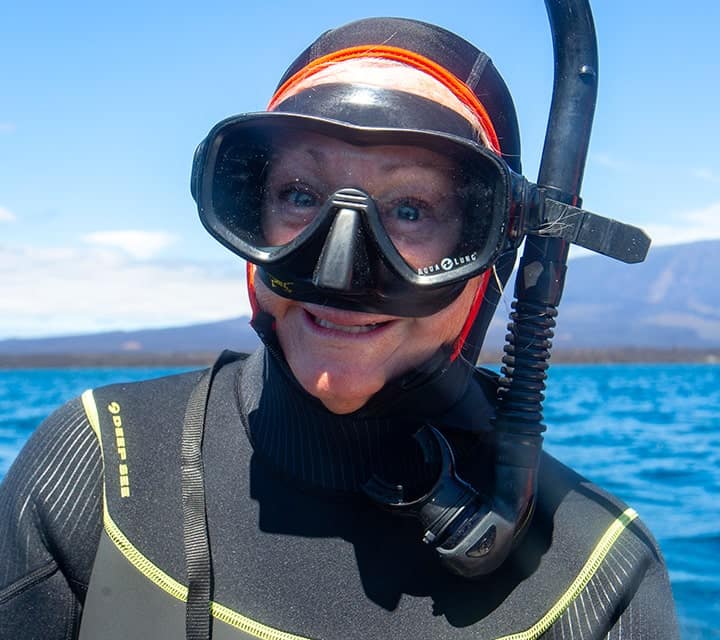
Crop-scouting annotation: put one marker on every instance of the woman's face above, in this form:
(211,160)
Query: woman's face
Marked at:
(344,357)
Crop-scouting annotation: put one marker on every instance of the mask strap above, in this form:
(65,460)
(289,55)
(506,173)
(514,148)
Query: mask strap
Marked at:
(472,315)
(252,296)
(458,88)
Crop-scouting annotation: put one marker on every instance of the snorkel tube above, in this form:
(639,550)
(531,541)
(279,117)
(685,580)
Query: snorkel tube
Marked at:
(541,272)
(473,534)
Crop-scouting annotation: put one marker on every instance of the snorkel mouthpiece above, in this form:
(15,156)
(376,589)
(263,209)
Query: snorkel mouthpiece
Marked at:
(471,536)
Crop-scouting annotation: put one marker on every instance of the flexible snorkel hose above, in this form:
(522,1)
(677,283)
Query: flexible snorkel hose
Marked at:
(541,272)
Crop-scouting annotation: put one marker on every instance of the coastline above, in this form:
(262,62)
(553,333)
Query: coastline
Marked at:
(613,355)
(624,355)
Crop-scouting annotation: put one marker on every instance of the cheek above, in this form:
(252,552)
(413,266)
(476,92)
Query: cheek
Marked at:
(459,311)
(269,302)
(445,326)
(455,315)
(424,336)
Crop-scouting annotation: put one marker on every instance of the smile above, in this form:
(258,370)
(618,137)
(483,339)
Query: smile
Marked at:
(346,328)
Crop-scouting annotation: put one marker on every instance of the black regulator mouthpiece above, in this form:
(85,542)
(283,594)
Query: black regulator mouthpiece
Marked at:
(471,533)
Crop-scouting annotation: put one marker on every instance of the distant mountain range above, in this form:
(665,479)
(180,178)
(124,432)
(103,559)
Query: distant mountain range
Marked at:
(234,334)
(671,301)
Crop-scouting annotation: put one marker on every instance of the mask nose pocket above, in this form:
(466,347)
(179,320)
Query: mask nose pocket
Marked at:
(343,262)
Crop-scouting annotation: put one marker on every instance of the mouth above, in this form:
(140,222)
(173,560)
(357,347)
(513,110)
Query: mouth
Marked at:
(346,327)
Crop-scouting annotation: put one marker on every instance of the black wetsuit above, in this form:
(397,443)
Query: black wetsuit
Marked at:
(298,551)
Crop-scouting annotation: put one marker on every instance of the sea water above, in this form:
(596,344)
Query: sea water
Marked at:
(648,433)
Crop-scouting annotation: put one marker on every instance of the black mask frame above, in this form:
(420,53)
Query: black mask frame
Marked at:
(327,264)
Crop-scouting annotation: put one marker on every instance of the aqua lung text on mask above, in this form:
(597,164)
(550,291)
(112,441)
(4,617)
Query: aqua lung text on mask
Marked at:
(446,264)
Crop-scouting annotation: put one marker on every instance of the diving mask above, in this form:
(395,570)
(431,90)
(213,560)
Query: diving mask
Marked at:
(370,219)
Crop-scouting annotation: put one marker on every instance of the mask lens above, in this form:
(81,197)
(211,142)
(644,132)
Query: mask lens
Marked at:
(267,187)
(439,205)
(443,220)
(287,210)
(238,184)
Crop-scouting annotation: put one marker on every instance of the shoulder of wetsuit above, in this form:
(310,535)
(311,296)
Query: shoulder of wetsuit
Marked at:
(162,394)
(153,407)
(139,426)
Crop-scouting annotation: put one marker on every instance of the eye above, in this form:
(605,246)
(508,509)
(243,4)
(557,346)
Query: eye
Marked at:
(299,197)
(407,211)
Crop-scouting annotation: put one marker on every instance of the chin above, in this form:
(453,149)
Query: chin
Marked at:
(342,388)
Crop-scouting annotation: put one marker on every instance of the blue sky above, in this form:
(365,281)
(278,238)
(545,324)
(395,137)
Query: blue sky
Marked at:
(101,108)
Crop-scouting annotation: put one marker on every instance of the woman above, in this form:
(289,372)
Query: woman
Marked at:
(366,202)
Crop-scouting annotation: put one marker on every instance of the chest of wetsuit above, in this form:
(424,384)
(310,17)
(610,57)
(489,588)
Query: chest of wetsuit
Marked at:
(294,561)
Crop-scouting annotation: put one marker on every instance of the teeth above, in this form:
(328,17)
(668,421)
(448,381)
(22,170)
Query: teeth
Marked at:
(355,328)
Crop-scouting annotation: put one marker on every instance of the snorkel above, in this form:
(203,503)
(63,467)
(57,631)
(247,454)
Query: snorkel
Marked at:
(541,276)
(541,272)
(473,535)
(538,290)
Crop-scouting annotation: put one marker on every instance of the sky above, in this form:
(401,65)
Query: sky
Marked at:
(103,104)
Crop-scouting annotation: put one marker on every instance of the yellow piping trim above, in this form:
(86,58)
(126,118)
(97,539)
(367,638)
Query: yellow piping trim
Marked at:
(156,575)
(586,573)
(250,627)
(258,630)
(91,412)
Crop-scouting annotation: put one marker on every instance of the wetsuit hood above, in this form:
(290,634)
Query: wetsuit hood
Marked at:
(465,70)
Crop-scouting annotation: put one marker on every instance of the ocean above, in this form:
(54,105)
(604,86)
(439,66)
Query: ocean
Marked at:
(648,433)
